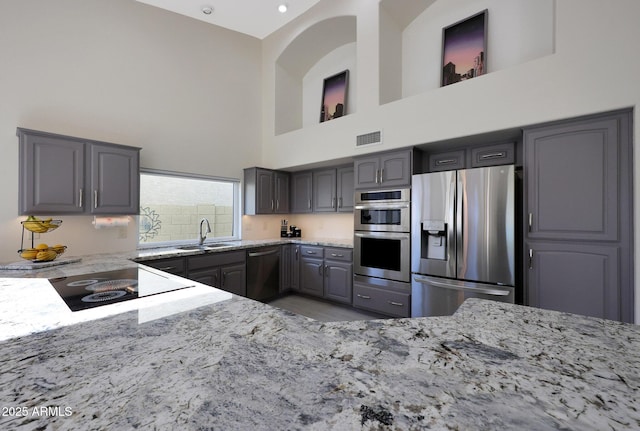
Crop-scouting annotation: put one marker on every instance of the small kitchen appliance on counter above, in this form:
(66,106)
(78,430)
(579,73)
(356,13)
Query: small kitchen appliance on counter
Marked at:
(84,291)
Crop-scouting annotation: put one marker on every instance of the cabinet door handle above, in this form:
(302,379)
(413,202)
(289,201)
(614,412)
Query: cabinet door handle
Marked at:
(95,199)
(340,203)
(381,176)
(337,255)
(497,155)
(309,204)
(277,204)
(167,268)
(530,221)
(326,270)
(397,304)
(81,198)
(363,296)
(445,162)
(311,252)
(271,204)
(297,253)
(320,269)
(333,202)
(530,258)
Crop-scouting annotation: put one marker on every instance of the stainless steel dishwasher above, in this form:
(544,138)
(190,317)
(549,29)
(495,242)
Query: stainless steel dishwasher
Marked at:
(263,273)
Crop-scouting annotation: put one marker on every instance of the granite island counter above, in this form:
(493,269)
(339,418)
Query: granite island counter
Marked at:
(236,364)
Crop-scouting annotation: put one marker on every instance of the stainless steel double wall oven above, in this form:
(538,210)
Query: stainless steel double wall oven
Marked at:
(382,238)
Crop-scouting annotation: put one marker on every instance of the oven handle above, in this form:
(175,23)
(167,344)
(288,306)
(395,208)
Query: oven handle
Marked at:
(383,206)
(390,235)
(484,290)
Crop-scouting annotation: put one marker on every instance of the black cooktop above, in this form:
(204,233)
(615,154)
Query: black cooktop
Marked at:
(84,291)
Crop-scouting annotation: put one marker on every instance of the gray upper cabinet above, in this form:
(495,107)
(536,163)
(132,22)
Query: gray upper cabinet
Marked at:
(302,192)
(67,175)
(324,191)
(345,188)
(114,180)
(265,191)
(447,161)
(578,216)
(384,170)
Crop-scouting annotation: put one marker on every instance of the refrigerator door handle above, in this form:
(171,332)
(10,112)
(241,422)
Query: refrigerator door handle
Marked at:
(451,286)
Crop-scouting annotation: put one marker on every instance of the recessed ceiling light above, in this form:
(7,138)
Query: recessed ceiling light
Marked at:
(282,8)
(207,10)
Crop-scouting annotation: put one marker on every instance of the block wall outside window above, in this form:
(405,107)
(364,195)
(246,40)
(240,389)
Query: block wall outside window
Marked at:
(171,208)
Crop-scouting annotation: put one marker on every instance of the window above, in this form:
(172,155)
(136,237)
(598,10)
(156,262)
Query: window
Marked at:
(173,204)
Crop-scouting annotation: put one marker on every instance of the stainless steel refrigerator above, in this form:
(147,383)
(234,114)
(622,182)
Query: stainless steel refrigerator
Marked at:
(462,238)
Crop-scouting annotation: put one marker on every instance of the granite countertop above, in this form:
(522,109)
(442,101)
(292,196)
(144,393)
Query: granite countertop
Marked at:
(212,360)
(239,364)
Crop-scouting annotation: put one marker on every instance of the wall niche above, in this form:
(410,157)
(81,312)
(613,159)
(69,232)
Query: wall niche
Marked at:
(410,43)
(322,50)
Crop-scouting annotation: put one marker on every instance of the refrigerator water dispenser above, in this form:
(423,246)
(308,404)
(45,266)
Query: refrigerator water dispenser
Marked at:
(434,234)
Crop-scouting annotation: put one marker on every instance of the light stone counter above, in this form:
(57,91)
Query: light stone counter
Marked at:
(234,364)
(239,364)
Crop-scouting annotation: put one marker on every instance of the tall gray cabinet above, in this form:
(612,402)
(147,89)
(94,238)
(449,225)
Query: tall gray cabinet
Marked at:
(578,216)
(67,175)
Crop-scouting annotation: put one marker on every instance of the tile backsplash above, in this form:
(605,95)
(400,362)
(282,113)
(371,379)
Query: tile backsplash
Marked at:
(312,225)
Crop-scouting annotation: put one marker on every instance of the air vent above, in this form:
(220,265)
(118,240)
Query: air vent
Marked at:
(369,139)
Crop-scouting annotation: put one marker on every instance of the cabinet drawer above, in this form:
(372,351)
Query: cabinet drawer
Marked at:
(215,259)
(447,161)
(173,265)
(311,251)
(503,154)
(341,254)
(383,301)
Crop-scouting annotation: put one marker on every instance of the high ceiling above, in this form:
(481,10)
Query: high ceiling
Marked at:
(257,18)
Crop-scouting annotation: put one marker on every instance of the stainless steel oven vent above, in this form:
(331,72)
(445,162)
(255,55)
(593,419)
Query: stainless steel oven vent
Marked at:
(369,138)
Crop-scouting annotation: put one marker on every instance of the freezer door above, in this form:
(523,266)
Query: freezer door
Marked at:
(485,227)
(433,245)
(432,296)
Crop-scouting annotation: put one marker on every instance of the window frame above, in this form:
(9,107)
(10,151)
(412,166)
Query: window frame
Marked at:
(237,210)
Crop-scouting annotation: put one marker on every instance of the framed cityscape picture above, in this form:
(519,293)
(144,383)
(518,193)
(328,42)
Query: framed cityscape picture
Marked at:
(464,49)
(334,96)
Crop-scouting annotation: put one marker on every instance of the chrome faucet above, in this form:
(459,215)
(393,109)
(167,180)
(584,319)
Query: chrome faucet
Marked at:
(203,237)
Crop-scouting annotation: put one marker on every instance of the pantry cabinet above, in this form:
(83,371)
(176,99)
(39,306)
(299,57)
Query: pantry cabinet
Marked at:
(67,175)
(578,216)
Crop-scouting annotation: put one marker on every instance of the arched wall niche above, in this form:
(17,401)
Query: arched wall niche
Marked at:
(314,44)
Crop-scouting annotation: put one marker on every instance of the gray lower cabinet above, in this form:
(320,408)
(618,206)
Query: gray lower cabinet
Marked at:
(290,268)
(67,175)
(327,272)
(578,216)
(224,270)
(338,274)
(382,296)
(311,270)
(172,265)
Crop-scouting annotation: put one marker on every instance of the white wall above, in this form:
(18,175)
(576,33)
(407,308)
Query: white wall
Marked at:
(187,92)
(593,69)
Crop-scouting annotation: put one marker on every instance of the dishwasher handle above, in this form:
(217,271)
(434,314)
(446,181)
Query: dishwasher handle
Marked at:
(263,253)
